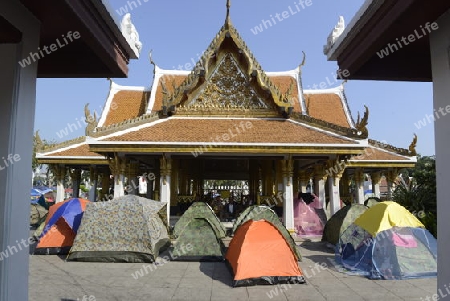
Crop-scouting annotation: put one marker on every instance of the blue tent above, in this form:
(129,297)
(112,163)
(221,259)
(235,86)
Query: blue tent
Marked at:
(35,195)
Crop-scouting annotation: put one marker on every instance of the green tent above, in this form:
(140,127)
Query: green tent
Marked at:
(128,229)
(199,210)
(199,241)
(256,213)
(200,229)
(340,221)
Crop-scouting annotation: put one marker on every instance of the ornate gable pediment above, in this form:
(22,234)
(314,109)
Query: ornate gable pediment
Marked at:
(227,80)
(228,88)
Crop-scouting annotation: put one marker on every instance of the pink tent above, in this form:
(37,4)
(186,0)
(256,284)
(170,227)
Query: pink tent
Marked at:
(306,220)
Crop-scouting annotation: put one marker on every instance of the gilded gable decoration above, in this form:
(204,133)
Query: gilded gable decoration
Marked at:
(412,146)
(91,121)
(226,53)
(361,123)
(228,87)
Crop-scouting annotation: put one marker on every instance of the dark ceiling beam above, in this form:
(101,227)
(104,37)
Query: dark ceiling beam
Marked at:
(9,34)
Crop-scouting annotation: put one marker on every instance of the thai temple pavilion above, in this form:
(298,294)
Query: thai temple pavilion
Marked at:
(227,119)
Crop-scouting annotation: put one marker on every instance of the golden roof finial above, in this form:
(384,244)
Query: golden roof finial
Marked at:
(227,19)
(412,146)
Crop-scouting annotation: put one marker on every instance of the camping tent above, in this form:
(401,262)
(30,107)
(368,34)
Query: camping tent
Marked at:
(200,227)
(340,221)
(388,242)
(203,238)
(199,210)
(372,201)
(306,220)
(257,212)
(38,214)
(61,227)
(127,229)
(259,254)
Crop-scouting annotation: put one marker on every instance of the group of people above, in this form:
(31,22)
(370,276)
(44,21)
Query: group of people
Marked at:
(230,209)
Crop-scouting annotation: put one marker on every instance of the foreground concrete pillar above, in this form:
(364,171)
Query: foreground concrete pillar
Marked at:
(440,61)
(17,109)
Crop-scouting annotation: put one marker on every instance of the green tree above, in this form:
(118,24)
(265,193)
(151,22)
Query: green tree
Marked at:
(417,191)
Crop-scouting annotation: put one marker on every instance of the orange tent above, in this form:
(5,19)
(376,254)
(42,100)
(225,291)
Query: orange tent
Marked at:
(259,254)
(61,225)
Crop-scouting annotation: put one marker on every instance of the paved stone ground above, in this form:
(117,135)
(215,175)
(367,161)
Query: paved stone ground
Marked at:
(54,279)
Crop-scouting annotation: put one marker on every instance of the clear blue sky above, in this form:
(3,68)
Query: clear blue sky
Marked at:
(178,31)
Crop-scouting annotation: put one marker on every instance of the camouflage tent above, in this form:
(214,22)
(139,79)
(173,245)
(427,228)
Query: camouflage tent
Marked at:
(340,221)
(37,214)
(199,210)
(199,234)
(128,229)
(265,213)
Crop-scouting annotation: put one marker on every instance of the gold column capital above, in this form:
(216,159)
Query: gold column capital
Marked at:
(287,168)
(59,170)
(117,165)
(392,174)
(375,177)
(165,165)
(359,174)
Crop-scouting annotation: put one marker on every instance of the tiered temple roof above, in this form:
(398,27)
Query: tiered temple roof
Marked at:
(227,100)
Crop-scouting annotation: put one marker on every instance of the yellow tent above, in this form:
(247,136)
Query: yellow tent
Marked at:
(384,216)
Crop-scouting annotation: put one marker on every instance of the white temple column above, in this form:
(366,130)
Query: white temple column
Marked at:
(375,178)
(75,175)
(60,174)
(359,181)
(17,109)
(133,180)
(117,166)
(165,172)
(304,178)
(93,177)
(440,60)
(391,175)
(319,184)
(335,198)
(287,168)
(118,186)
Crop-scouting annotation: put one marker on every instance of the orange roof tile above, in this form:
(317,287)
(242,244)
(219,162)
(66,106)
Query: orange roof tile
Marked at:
(126,104)
(283,83)
(235,130)
(170,81)
(79,151)
(371,153)
(327,107)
